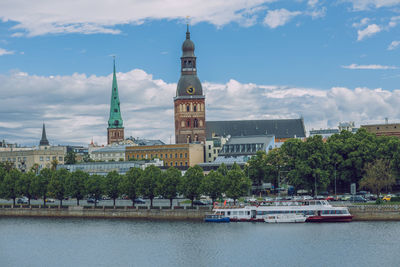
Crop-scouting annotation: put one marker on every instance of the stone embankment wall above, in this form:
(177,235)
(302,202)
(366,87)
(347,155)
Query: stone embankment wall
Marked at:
(360,212)
(375,212)
(156,213)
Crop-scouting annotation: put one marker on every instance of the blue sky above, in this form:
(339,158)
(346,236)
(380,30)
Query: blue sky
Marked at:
(328,61)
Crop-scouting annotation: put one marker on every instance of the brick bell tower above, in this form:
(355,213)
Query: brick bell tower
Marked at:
(115,130)
(189,103)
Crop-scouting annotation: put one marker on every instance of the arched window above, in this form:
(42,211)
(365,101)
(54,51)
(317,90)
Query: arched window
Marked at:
(188,123)
(195,123)
(195,108)
(187,108)
(196,138)
(188,139)
(182,124)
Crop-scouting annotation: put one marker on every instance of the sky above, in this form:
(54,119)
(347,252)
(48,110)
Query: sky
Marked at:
(328,61)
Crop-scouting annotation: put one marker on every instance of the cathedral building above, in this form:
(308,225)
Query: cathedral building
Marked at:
(115,130)
(189,103)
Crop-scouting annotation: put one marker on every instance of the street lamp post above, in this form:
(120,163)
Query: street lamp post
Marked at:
(335,178)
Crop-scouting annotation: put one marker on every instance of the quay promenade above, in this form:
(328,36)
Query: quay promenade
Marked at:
(186,213)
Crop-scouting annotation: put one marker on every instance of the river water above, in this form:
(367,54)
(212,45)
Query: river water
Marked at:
(89,242)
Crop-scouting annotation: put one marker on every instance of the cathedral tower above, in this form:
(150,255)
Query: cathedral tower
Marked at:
(115,130)
(189,103)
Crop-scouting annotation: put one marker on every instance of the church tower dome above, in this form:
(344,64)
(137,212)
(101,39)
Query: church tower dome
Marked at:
(189,102)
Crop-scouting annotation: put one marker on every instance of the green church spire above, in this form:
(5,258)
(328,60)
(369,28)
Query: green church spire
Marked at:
(115,120)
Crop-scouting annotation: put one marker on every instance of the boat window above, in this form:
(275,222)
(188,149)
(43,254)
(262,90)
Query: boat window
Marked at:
(234,212)
(241,212)
(222,212)
(248,213)
(228,213)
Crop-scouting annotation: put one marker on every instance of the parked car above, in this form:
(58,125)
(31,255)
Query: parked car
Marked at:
(50,200)
(307,197)
(92,200)
(388,197)
(22,200)
(140,201)
(357,198)
(330,198)
(199,203)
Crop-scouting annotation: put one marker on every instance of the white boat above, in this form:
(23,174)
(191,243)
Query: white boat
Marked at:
(313,210)
(285,218)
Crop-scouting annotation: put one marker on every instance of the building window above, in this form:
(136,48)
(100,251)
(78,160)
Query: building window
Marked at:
(209,146)
(185,155)
(194,108)
(209,155)
(188,123)
(182,123)
(47,158)
(171,163)
(180,155)
(166,155)
(41,158)
(215,151)
(181,163)
(176,164)
(187,108)
(176,155)
(160,156)
(186,163)
(54,157)
(195,123)
(170,156)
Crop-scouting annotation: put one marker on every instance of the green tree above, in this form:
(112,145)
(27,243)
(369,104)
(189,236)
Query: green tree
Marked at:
(94,186)
(129,182)
(213,185)
(222,169)
(307,163)
(7,166)
(25,185)
(54,164)
(57,187)
(112,185)
(378,175)
(75,185)
(10,185)
(41,182)
(149,183)
(238,183)
(70,158)
(171,180)
(191,182)
(257,168)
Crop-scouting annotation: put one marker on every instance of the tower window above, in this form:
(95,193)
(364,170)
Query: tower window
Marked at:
(194,108)
(115,110)
(195,123)
(188,123)
(187,108)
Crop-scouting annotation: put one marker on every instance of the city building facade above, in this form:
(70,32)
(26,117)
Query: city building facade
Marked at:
(388,129)
(113,152)
(177,155)
(189,102)
(103,168)
(27,158)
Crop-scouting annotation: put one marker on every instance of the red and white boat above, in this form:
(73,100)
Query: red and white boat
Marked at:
(313,210)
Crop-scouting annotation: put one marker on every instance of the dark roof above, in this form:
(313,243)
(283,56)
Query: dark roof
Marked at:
(285,128)
(44,141)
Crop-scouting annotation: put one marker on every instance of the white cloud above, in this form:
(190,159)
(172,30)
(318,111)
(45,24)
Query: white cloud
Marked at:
(393,45)
(369,67)
(75,108)
(368,31)
(85,16)
(5,52)
(312,3)
(362,22)
(367,4)
(279,17)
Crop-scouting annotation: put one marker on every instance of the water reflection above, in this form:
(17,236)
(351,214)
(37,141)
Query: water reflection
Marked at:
(79,242)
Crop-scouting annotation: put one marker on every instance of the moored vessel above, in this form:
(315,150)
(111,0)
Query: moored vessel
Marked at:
(313,210)
(285,218)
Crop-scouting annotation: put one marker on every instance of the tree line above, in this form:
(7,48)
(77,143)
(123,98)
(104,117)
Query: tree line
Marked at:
(147,183)
(369,161)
